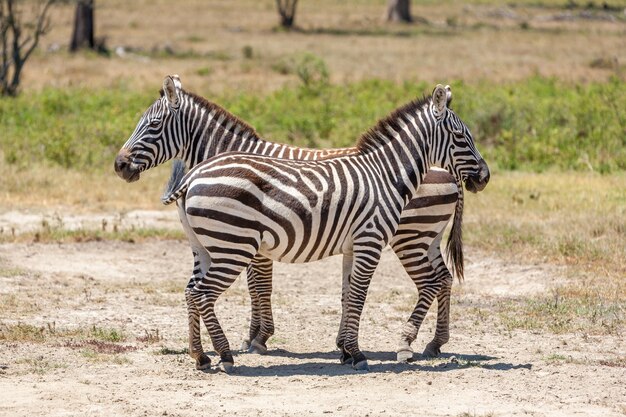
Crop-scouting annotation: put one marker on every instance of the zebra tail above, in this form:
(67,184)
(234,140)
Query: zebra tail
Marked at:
(454,246)
(175,187)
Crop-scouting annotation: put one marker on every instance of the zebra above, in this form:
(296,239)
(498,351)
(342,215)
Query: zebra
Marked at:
(207,129)
(239,205)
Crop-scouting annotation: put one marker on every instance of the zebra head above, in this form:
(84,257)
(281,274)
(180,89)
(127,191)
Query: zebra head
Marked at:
(157,137)
(454,149)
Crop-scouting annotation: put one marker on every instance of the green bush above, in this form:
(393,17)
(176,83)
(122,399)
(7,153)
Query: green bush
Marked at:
(536,124)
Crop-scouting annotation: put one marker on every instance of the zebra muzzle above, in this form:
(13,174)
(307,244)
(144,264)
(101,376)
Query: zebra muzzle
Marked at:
(125,168)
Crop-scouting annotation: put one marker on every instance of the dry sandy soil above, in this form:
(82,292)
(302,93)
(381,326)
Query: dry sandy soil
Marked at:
(137,289)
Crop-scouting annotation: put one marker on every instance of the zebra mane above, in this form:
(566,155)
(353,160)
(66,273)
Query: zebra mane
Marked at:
(372,139)
(220,112)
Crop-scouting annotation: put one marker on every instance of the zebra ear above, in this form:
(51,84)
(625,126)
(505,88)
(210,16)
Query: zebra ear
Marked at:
(440,100)
(171,88)
(449,95)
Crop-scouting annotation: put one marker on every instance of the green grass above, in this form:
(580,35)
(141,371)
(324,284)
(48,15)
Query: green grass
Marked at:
(537,124)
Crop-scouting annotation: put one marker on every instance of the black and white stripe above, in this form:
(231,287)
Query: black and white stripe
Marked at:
(202,129)
(239,205)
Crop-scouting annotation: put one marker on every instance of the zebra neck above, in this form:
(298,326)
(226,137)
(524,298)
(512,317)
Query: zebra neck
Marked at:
(211,130)
(400,147)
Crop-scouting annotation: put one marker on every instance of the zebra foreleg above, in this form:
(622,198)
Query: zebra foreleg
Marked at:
(348,260)
(363,267)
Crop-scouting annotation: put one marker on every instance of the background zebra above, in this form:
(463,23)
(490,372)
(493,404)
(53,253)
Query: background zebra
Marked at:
(202,129)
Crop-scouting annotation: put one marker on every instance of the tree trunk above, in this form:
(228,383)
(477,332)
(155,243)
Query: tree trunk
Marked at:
(287,12)
(82,35)
(399,11)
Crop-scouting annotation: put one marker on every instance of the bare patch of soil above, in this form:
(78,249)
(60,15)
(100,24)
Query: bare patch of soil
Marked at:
(136,290)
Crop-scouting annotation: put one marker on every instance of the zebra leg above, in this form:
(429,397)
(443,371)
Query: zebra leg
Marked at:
(428,287)
(255,311)
(201,262)
(442,334)
(205,293)
(348,260)
(262,275)
(363,267)
(195,342)
(416,263)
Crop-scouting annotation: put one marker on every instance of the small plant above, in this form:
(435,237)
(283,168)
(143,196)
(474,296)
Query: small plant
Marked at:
(311,70)
(204,71)
(107,335)
(170,351)
(247,52)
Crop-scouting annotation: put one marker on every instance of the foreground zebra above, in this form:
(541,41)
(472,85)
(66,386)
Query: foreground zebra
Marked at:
(183,125)
(239,205)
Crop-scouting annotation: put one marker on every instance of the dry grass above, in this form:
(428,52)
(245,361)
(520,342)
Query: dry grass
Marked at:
(573,219)
(204,42)
(40,187)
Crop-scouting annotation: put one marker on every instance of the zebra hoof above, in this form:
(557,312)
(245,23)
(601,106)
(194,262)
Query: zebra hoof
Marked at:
(203,362)
(361,366)
(245,345)
(258,348)
(432,350)
(226,367)
(345,358)
(404,355)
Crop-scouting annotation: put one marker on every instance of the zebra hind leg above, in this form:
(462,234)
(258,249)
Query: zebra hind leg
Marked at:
(428,286)
(255,313)
(263,285)
(195,342)
(442,333)
(205,293)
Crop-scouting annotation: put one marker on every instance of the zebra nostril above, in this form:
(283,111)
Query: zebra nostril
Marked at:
(120,164)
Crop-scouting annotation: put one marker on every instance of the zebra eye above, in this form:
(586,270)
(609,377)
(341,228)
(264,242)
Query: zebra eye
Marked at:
(155,123)
(458,133)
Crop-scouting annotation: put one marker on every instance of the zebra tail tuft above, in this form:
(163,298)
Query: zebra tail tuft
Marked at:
(175,188)
(454,246)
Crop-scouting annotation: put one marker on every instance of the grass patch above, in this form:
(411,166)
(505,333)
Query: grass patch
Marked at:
(93,355)
(574,219)
(40,366)
(131,235)
(535,124)
(573,308)
(23,332)
(169,351)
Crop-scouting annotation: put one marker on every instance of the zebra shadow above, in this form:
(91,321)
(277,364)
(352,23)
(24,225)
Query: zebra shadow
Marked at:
(327,364)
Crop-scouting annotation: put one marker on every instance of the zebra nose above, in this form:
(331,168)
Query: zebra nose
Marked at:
(485,174)
(120,164)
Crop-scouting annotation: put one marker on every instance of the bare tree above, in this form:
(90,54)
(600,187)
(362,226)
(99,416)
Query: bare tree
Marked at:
(399,11)
(287,12)
(82,34)
(18,40)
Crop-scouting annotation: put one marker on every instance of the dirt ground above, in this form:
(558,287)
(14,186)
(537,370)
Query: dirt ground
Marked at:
(137,289)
